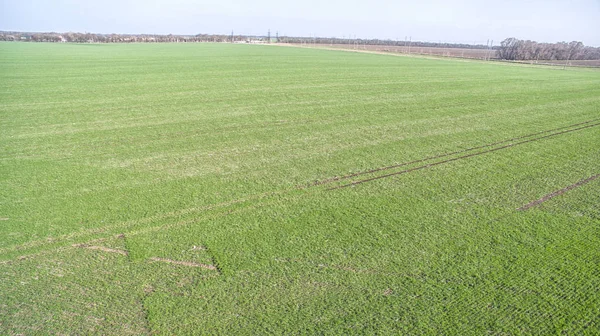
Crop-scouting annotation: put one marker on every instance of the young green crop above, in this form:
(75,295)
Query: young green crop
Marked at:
(191,189)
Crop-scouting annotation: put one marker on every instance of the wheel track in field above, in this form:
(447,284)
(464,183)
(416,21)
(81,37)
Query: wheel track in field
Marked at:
(406,171)
(558,193)
(181,223)
(131,223)
(260,198)
(375,170)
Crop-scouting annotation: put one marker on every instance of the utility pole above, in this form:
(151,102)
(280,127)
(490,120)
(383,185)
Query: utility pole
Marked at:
(568,58)
(489,50)
(276,37)
(409,43)
(269,36)
(232,36)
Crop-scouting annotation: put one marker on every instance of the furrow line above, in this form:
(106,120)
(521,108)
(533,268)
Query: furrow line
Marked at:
(261,196)
(334,179)
(558,193)
(261,203)
(460,158)
(126,224)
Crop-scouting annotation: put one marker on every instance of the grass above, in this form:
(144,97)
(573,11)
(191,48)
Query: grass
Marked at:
(209,153)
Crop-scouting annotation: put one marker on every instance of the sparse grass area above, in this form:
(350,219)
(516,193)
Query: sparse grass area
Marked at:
(191,189)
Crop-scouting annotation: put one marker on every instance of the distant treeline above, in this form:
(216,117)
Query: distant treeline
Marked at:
(509,49)
(150,38)
(517,50)
(119,38)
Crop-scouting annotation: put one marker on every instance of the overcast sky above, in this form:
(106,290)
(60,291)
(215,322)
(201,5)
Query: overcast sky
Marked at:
(465,21)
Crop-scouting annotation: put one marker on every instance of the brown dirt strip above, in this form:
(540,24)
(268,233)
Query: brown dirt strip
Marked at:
(460,157)
(558,193)
(101,248)
(184,263)
(334,179)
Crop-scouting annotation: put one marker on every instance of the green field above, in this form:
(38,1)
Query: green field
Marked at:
(241,189)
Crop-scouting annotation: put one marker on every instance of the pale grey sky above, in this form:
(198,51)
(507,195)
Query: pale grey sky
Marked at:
(466,21)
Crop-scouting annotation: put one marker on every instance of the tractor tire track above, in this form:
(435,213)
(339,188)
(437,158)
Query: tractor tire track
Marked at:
(260,197)
(558,193)
(460,158)
(132,223)
(209,217)
(375,170)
